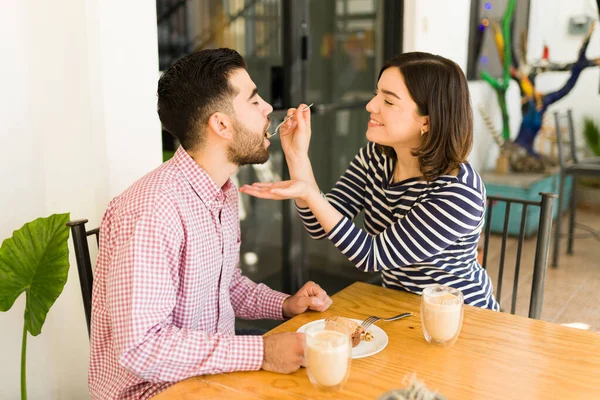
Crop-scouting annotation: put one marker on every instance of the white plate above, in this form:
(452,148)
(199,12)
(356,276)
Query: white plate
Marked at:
(364,348)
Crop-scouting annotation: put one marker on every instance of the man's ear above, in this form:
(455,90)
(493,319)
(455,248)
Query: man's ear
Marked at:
(221,125)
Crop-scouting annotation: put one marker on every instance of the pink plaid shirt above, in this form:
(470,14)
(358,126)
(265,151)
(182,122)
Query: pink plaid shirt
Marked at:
(167,287)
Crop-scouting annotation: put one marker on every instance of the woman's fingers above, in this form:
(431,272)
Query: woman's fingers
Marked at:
(290,122)
(274,191)
(258,192)
(268,185)
(262,184)
(268,195)
(300,116)
(283,193)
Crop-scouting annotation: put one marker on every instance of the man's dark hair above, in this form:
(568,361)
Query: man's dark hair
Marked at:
(439,88)
(193,89)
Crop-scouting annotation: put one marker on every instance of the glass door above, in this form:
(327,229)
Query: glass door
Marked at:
(343,67)
(347,47)
(312,51)
(254,29)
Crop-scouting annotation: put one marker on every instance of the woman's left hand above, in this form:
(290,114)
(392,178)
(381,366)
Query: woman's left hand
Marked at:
(284,190)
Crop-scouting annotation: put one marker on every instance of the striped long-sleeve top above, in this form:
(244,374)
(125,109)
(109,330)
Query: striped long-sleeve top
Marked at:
(416,233)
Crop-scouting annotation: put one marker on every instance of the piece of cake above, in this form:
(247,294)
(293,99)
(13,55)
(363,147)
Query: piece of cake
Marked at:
(357,331)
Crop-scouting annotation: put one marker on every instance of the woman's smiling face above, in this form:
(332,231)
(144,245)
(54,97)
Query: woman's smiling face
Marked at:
(395,120)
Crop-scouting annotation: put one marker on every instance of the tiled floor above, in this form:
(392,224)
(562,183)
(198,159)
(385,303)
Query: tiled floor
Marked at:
(572,290)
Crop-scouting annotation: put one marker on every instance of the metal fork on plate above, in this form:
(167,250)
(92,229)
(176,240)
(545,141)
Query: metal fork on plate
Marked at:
(366,324)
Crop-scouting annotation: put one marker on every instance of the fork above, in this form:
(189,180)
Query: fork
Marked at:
(366,324)
(286,118)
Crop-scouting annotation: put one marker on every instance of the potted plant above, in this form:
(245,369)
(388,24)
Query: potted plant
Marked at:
(35,260)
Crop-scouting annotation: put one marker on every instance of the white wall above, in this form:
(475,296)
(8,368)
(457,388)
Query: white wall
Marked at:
(442,27)
(551,26)
(78,125)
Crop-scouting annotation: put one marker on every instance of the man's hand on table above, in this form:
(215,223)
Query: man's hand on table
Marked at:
(310,296)
(284,352)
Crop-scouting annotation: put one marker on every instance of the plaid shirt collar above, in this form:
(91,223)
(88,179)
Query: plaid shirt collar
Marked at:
(211,195)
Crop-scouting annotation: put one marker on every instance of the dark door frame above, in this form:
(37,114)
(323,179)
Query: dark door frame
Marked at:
(295,58)
(296,54)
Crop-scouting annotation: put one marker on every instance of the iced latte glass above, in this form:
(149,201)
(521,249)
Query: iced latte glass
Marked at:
(328,357)
(441,314)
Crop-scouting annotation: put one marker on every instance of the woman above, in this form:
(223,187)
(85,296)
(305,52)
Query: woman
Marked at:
(423,202)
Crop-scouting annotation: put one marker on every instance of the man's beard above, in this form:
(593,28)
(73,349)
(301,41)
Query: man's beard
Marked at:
(248,147)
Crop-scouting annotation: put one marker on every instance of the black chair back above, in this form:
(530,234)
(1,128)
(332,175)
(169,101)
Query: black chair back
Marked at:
(84,262)
(541,251)
(562,157)
(575,167)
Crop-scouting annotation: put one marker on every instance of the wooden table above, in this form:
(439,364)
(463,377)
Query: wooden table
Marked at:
(497,356)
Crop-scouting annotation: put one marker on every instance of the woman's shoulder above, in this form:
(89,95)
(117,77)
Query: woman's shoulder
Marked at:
(469,177)
(467,183)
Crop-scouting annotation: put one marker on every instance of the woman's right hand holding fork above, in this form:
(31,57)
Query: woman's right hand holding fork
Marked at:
(295,134)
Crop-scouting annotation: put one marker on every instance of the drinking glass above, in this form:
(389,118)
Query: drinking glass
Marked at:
(441,314)
(328,355)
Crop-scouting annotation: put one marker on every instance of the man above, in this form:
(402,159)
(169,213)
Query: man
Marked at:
(167,288)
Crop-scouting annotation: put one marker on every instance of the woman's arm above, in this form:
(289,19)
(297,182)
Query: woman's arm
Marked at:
(438,221)
(347,196)
(432,225)
(346,199)
(295,136)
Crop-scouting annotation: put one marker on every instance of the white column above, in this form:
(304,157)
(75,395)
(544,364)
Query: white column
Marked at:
(438,27)
(79,125)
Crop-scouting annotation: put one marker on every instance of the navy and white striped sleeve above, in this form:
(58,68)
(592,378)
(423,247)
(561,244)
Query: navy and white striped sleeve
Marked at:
(347,196)
(447,214)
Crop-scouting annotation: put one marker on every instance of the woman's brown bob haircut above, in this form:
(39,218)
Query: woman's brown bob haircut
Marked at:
(439,88)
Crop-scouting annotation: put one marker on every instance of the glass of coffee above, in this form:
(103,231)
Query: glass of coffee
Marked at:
(441,314)
(328,356)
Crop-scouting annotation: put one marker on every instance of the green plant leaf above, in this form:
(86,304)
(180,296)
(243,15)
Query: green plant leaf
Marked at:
(591,132)
(35,260)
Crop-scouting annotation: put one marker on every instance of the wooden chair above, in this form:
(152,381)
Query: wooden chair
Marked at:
(541,251)
(84,262)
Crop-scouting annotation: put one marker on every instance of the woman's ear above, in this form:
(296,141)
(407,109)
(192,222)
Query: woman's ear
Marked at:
(425,126)
(221,125)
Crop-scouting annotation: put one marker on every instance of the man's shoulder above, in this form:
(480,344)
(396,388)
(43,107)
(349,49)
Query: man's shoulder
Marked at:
(155,192)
